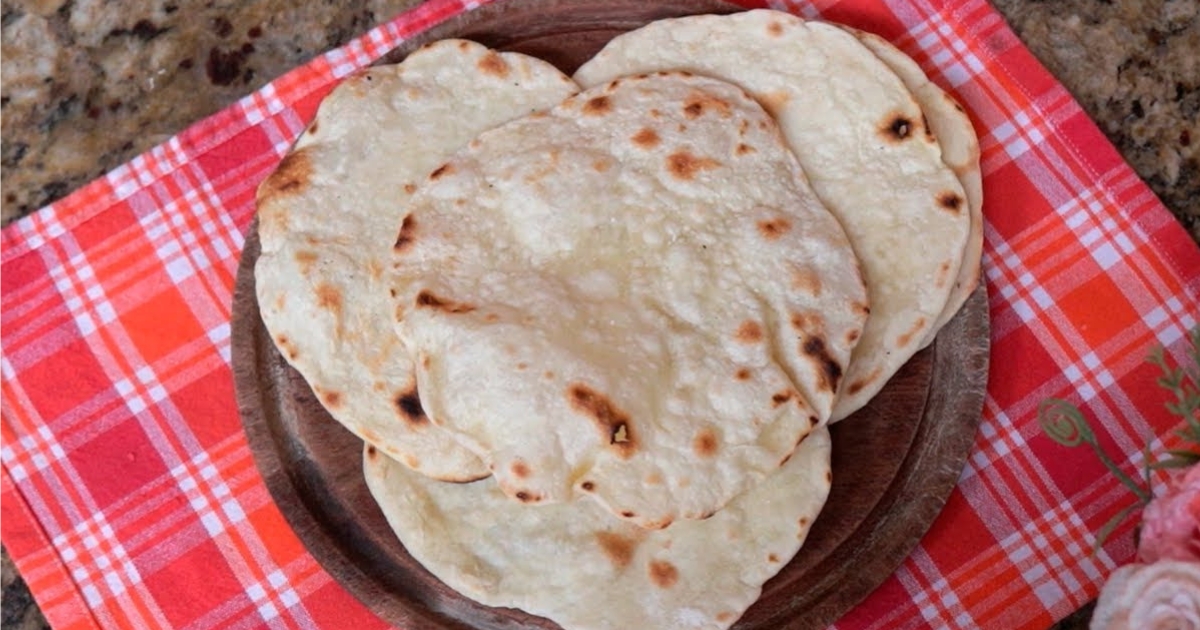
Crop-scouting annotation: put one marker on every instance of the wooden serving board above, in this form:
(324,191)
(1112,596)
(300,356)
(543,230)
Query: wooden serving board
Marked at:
(894,462)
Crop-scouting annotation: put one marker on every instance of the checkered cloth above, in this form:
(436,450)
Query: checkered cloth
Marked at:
(130,497)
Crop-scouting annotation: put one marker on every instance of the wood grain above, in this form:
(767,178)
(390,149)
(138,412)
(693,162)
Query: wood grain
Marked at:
(895,462)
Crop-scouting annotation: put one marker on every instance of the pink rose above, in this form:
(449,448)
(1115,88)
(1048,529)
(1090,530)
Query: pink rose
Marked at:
(1160,596)
(1171,522)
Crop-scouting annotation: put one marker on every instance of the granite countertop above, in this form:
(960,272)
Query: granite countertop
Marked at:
(89,84)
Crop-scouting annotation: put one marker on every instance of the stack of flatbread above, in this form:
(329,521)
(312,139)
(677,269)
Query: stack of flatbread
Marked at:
(592,330)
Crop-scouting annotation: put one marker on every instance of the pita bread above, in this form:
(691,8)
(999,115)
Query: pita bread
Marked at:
(960,151)
(862,141)
(328,217)
(576,565)
(620,298)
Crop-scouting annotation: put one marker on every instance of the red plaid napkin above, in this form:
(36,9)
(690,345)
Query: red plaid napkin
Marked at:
(130,498)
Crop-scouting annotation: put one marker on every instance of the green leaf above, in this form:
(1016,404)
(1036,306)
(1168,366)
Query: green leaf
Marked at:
(1064,423)
(1174,462)
(1111,525)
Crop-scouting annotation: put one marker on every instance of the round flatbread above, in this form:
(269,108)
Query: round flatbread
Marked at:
(328,218)
(634,296)
(576,565)
(960,151)
(862,141)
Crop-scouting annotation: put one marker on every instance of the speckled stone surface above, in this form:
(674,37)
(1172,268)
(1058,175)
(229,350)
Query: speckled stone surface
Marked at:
(88,84)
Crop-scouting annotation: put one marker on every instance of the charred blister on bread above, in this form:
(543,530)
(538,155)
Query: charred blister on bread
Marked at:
(684,165)
(614,425)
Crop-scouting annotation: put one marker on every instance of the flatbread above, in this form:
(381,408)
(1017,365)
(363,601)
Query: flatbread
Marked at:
(634,297)
(328,217)
(576,565)
(960,151)
(861,138)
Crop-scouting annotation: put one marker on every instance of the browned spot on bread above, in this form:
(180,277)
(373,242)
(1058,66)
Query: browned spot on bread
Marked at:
(781,397)
(411,461)
(857,386)
(425,361)
(654,479)
(743,126)
(290,177)
(600,165)
(371,451)
(896,127)
(804,322)
(408,406)
(830,370)
(410,188)
(749,332)
(928,130)
(441,171)
(943,274)
(526,497)
(742,374)
(520,469)
(783,462)
(597,106)
(408,232)
(492,63)
(862,309)
(807,280)
(772,558)
(950,201)
(654,113)
(613,424)
(280,301)
(812,421)
(305,259)
(522,365)
(461,46)
(698,103)
(329,297)
(313,127)
(744,149)
(828,476)
(681,127)
(427,299)
(774,228)
(612,85)
(617,548)
(491,318)
(646,138)
(853,336)
(803,521)
(331,399)
(587,486)
(284,343)
(774,103)
(663,574)
(725,616)
(627,514)
(911,333)
(662,523)
(683,165)
(705,443)
(548,374)
(774,28)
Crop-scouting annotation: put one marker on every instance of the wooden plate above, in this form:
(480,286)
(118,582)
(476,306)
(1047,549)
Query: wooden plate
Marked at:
(894,463)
